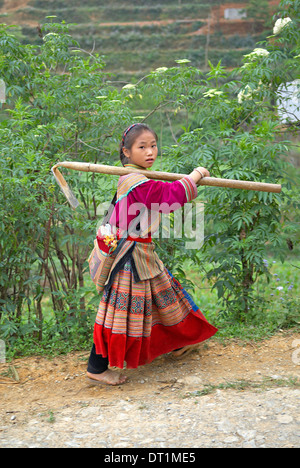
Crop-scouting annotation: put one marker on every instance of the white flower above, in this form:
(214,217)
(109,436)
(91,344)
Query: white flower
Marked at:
(249,93)
(246,65)
(129,86)
(161,70)
(183,61)
(245,94)
(257,53)
(51,34)
(260,52)
(212,92)
(280,288)
(280,24)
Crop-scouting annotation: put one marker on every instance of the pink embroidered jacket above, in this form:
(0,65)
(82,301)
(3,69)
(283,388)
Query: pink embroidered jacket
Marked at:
(136,193)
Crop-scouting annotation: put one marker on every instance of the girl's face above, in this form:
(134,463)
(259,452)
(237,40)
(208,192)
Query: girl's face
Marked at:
(143,151)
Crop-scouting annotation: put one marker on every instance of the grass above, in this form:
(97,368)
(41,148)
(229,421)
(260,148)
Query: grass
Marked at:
(242,385)
(279,305)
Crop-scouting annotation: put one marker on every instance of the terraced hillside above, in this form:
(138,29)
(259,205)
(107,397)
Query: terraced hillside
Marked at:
(138,36)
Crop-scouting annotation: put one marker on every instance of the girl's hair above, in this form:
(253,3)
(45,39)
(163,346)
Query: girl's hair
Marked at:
(129,137)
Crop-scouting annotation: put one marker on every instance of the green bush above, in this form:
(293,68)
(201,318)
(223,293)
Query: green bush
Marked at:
(54,112)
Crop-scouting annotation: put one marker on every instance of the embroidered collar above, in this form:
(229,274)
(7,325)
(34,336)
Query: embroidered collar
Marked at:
(135,166)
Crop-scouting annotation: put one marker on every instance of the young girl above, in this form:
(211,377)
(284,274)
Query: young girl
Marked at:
(144,311)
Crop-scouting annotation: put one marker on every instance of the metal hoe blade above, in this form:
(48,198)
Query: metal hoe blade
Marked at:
(65,188)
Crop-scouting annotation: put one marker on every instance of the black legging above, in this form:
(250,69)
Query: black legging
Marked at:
(97,363)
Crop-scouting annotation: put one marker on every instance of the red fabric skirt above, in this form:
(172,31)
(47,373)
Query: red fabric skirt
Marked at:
(137,322)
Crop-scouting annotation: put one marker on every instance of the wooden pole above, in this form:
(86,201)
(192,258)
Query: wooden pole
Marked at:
(157,175)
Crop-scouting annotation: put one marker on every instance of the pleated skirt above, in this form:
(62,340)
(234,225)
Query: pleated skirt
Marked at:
(139,321)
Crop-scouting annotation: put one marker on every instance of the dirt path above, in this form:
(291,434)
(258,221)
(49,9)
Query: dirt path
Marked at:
(251,392)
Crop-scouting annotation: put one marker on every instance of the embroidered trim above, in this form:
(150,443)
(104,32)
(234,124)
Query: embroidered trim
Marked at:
(131,188)
(190,188)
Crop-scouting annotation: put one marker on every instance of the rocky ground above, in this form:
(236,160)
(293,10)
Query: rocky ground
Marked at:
(232,395)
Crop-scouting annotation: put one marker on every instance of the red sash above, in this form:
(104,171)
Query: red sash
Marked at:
(143,240)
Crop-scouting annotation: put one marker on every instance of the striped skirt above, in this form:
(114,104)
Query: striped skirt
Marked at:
(137,322)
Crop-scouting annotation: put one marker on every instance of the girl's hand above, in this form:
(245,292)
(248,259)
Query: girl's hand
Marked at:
(199,173)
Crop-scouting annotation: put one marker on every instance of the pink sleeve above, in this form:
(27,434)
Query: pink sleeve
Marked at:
(165,196)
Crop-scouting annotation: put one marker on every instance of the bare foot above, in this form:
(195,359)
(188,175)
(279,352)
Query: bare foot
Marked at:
(185,351)
(108,377)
